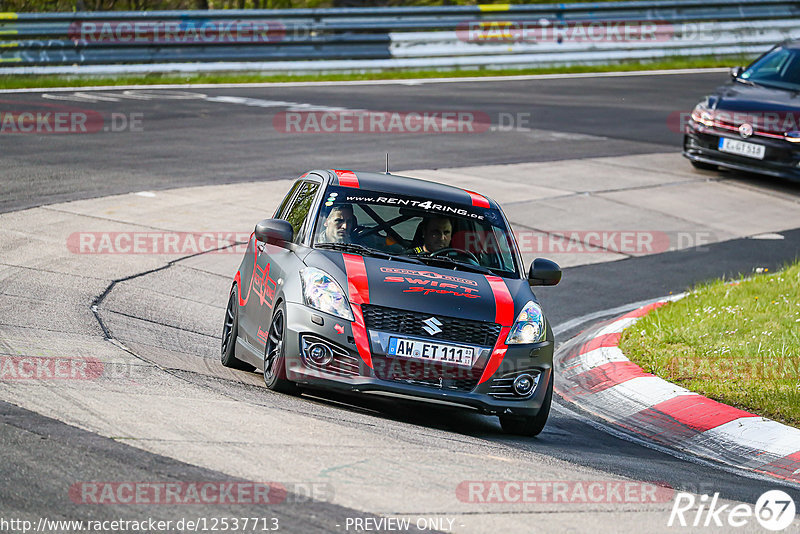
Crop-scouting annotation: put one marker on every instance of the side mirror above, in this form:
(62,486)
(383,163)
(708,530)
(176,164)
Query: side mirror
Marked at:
(736,72)
(544,273)
(274,231)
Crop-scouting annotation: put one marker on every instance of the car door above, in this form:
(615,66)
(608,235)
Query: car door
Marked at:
(275,262)
(248,269)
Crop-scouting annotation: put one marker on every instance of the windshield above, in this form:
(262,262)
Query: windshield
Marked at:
(779,68)
(456,236)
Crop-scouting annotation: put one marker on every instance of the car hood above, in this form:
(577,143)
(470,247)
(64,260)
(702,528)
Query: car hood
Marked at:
(425,289)
(738,97)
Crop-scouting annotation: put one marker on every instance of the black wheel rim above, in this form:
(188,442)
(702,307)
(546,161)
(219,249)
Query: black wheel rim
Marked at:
(274,346)
(227,327)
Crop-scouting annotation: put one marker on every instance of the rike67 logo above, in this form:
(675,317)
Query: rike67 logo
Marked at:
(774,510)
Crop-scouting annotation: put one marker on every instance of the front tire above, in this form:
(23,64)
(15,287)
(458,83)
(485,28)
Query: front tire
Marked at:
(275,355)
(230,331)
(529,426)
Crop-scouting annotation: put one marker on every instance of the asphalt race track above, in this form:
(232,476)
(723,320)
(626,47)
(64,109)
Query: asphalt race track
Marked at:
(601,150)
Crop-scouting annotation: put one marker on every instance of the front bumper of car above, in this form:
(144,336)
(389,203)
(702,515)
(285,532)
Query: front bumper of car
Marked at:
(411,379)
(781,158)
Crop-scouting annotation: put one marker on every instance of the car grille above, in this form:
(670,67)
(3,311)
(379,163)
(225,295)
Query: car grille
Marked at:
(432,374)
(774,157)
(411,323)
(733,127)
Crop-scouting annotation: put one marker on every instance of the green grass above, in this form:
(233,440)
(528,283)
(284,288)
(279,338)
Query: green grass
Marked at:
(736,343)
(19,82)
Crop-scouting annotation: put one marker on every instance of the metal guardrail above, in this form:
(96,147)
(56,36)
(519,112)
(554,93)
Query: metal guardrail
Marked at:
(399,37)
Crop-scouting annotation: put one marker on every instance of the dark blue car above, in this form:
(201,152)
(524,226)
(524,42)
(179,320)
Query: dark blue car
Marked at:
(752,123)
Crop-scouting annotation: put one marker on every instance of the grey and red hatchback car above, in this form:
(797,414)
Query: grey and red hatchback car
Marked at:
(387,285)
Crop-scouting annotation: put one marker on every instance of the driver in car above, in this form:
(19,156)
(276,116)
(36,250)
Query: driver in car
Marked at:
(339,225)
(436,235)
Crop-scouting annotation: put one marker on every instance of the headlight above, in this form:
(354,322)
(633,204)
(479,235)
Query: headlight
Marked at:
(321,291)
(703,114)
(529,326)
(792,137)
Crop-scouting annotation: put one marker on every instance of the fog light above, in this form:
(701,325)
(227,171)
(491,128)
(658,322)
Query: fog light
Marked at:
(524,384)
(320,354)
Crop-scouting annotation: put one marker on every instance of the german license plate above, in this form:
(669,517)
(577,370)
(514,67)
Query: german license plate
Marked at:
(734,146)
(412,348)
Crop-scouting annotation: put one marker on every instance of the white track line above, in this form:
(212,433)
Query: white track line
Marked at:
(409,81)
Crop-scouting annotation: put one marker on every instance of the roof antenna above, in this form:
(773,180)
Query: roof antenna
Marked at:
(387,163)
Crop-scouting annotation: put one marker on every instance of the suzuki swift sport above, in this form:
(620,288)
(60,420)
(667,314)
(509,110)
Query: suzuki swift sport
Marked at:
(386,285)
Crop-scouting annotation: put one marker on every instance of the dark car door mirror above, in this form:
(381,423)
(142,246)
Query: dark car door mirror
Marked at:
(274,231)
(736,72)
(544,273)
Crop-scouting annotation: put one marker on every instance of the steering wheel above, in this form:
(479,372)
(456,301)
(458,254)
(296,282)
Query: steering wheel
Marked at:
(451,252)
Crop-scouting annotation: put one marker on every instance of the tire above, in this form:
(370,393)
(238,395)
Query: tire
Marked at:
(230,331)
(529,426)
(275,355)
(704,166)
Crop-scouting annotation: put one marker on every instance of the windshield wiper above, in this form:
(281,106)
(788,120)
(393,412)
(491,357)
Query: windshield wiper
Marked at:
(451,261)
(361,249)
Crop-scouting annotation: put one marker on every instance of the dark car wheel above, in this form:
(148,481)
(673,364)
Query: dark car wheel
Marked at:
(704,166)
(529,426)
(230,330)
(275,355)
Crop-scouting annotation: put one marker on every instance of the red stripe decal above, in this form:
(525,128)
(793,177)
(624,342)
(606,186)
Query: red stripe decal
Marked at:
(357,281)
(608,375)
(360,335)
(503,303)
(698,412)
(478,200)
(358,291)
(347,178)
(498,353)
(504,315)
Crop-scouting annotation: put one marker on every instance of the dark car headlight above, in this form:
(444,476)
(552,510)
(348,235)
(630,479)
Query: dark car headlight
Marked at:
(320,291)
(703,114)
(792,137)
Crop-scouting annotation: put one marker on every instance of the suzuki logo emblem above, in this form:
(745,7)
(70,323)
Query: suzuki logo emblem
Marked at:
(432,325)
